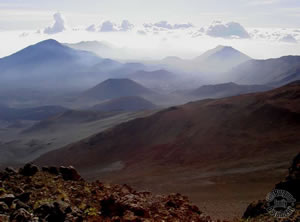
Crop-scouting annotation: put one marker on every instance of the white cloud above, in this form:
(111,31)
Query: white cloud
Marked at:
(126,26)
(288,38)
(108,26)
(164,25)
(91,28)
(58,26)
(182,26)
(274,35)
(148,25)
(227,30)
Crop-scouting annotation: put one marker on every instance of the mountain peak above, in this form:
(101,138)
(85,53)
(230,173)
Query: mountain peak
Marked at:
(115,88)
(112,80)
(49,42)
(171,59)
(228,50)
(224,53)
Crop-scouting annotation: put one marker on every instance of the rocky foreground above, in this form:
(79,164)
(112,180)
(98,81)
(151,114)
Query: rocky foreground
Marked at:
(60,194)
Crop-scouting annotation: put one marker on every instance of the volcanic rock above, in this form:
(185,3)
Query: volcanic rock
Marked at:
(69,173)
(10,170)
(20,215)
(29,170)
(67,197)
(7,198)
(51,169)
(3,208)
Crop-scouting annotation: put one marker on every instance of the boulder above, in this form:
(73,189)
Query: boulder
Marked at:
(17,204)
(110,208)
(7,199)
(56,211)
(29,170)
(20,215)
(69,173)
(3,208)
(24,197)
(51,169)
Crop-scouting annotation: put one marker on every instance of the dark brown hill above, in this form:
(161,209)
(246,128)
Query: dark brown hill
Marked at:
(216,151)
(200,131)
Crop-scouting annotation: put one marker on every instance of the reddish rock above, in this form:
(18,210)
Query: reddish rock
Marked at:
(69,173)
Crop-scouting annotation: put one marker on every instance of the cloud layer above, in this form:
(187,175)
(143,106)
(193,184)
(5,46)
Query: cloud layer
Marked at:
(91,28)
(109,26)
(288,38)
(167,26)
(275,35)
(167,30)
(227,30)
(126,26)
(58,26)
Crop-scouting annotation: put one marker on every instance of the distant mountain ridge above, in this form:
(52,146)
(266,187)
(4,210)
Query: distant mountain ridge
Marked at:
(277,71)
(92,46)
(160,74)
(45,64)
(226,89)
(52,65)
(161,78)
(36,113)
(101,48)
(219,59)
(221,52)
(127,104)
(186,135)
(48,51)
(116,88)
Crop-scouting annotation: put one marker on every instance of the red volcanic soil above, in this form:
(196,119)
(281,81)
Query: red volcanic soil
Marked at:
(227,152)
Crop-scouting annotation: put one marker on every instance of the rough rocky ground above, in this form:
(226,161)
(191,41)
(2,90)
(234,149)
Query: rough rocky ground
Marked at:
(60,194)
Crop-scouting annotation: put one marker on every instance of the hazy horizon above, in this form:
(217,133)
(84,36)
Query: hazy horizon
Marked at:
(157,29)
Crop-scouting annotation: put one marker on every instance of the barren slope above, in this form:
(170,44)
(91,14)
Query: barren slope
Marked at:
(224,150)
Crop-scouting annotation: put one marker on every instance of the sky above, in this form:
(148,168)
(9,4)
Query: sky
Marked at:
(157,28)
